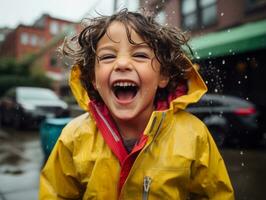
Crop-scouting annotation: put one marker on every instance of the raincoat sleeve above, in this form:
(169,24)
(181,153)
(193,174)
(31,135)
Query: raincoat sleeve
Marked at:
(209,175)
(58,179)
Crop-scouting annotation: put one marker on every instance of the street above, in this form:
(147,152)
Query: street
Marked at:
(21,159)
(20,163)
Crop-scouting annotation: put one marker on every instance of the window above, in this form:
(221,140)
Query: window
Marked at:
(24,38)
(70,29)
(54,27)
(2,37)
(252,5)
(33,40)
(198,13)
(161,17)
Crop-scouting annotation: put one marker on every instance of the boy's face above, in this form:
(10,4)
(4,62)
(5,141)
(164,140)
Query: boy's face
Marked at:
(127,75)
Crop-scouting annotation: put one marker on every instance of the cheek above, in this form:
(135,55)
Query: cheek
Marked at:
(101,78)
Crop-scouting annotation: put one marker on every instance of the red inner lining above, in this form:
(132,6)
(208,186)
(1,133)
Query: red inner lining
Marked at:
(126,160)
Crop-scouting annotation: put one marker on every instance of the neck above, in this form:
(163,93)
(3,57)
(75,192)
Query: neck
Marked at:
(133,128)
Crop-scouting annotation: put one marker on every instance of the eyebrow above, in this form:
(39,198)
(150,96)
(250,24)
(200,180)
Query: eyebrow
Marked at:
(141,45)
(106,47)
(133,46)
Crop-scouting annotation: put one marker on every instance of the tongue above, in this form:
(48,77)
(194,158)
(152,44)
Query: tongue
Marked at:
(125,95)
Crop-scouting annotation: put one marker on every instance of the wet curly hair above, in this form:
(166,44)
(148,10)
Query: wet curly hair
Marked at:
(167,43)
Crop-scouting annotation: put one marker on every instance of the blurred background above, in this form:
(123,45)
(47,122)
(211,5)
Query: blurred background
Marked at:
(228,39)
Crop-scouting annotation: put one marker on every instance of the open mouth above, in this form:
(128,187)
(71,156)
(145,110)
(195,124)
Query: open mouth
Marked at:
(125,91)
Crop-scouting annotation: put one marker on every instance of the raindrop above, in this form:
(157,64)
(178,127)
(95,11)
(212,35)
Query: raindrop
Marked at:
(210,62)
(210,53)
(246,77)
(222,14)
(241,153)
(242,164)
(215,90)
(239,82)
(228,30)
(247,98)
(197,57)
(230,50)
(248,58)
(223,62)
(173,12)
(157,7)
(146,2)
(212,80)
(206,82)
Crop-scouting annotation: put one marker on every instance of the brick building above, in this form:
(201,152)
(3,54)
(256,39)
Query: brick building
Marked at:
(229,43)
(40,38)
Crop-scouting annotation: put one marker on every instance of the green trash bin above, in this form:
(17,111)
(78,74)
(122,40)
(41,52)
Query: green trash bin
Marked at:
(50,130)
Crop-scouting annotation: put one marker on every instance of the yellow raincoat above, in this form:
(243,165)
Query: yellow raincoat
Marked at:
(179,160)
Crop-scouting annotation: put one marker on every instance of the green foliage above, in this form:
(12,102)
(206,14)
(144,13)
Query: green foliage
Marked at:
(14,74)
(10,66)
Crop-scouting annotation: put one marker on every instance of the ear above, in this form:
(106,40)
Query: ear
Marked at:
(163,81)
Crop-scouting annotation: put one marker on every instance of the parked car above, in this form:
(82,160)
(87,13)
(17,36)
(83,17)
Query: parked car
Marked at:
(28,106)
(229,118)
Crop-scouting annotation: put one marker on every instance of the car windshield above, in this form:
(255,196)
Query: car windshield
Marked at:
(36,94)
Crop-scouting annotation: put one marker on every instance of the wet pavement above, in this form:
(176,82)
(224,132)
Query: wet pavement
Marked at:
(21,159)
(247,170)
(20,163)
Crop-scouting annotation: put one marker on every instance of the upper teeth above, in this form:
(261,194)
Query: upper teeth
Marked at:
(124,84)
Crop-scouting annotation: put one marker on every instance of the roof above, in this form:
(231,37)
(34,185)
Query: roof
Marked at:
(244,38)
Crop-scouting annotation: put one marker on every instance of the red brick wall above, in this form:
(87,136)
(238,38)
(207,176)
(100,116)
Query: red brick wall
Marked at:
(24,49)
(13,47)
(229,13)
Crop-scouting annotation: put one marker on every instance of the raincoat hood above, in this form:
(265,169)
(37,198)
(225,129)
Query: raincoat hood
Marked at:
(195,84)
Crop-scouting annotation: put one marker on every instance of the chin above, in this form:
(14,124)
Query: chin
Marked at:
(124,116)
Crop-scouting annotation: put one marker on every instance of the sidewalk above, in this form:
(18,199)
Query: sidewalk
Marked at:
(20,163)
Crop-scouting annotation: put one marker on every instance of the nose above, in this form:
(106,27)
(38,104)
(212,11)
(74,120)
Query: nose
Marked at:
(123,64)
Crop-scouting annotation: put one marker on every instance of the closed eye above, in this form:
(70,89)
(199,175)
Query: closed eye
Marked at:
(141,55)
(106,57)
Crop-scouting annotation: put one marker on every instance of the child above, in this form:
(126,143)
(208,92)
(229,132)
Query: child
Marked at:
(136,141)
